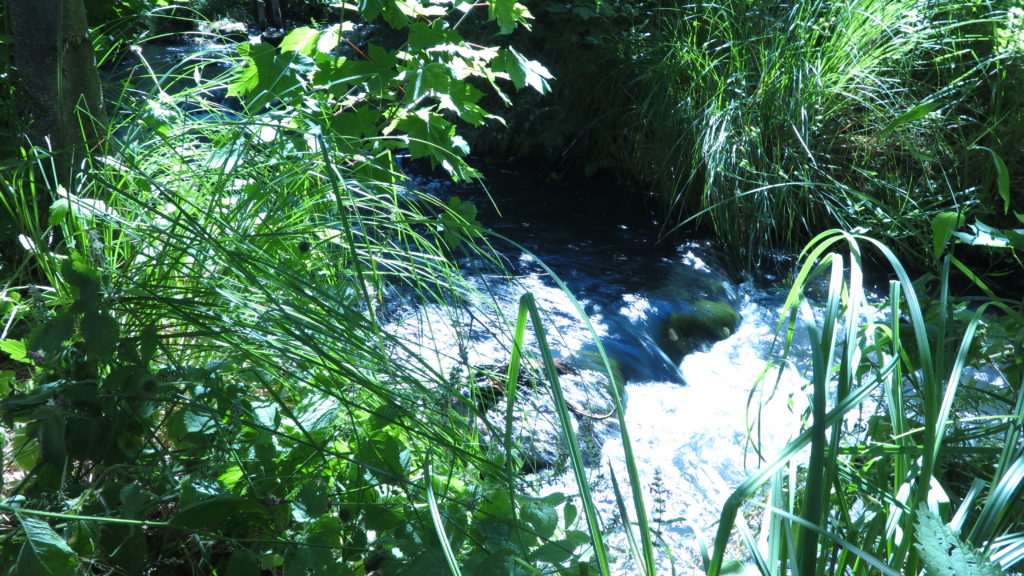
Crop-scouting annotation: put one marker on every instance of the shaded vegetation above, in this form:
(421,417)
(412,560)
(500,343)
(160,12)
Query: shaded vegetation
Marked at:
(768,122)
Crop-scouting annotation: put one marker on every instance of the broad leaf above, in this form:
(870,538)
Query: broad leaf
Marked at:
(44,552)
(943,226)
(508,14)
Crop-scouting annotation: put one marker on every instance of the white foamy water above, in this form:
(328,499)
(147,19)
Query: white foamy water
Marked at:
(690,441)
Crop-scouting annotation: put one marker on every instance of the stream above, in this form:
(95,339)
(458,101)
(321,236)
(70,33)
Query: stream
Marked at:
(687,383)
(686,409)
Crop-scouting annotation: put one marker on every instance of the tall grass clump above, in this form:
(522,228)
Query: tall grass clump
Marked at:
(769,122)
(932,480)
(781,119)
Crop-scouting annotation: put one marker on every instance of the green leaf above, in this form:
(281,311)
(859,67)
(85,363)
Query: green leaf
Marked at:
(384,456)
(912,115)
(270,76)
(242,563)
(219,511)
(52,436)
(423,36)
(44,552)
(147,345)
(302,40)
(58,210)
(388,9)
(942,551)
(39,395)
(430,135)
(554,552)
(428,78)
(231,477)
(508,13)
(100,332)
(943,226)
(459,221)
(313,500)
(16,350)
(1002,178)
(85,284)
(540,515)
(7,380)
(570,514)
(523,71)
(323,535)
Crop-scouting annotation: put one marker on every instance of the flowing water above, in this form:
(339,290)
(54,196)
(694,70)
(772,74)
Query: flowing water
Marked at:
(688,419)
(688,410)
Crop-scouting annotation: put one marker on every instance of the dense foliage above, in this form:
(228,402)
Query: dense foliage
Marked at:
(197,375)
(767,122)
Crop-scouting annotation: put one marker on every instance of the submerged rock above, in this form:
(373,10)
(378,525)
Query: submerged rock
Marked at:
(704,322)
(226,29)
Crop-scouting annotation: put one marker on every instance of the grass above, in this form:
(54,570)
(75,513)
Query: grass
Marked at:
(838,500)
(767,123)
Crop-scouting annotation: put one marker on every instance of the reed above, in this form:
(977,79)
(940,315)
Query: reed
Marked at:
(847,500)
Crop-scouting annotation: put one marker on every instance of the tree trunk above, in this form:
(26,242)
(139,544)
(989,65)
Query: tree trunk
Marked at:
(260,11)
(59,87)
(275,14)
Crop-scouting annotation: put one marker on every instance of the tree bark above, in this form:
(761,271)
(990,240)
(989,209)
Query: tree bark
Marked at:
(59,87)
(275,14)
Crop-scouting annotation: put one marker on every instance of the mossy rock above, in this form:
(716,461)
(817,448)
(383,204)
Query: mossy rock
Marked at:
(684,332)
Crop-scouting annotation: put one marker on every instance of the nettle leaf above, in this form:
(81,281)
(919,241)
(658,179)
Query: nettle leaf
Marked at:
(231,477)
(242,563)
(49,339)
(85,284)
(313,500)
(508,13)
(541,514)
(100,332)
(554,552)
(384,456)
(147,345)
(323,537)
(44,552)
(58,210)
(220,511)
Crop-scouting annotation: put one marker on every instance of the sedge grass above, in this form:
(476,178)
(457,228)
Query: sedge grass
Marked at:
(769,122)
(807,506)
